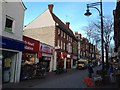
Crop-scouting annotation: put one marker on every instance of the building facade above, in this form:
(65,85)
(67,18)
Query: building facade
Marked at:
(49,29)
(117,29)
(12,44)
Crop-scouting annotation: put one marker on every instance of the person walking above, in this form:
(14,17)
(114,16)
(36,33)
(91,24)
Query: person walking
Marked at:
(90,69)
(110,72)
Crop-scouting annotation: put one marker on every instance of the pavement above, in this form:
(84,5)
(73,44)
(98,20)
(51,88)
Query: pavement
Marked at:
(71,77)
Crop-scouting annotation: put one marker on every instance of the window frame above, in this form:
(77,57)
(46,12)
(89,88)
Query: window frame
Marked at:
(8,29)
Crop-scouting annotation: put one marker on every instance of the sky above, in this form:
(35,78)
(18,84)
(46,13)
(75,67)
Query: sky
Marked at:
(72,12)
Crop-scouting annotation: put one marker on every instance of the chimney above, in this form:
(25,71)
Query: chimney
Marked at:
(76,33)
(67,24)
(50,7)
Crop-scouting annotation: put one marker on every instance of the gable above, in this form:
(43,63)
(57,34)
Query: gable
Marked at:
(44,20)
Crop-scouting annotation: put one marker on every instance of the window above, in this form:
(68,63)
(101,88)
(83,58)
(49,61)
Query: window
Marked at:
(64,35)
(61,44)
(9,24)
(67,37)
(61,34)
(58,31)
(64,46)
(58,44)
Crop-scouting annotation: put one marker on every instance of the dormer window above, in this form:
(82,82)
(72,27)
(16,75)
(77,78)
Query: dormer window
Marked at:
(9,24)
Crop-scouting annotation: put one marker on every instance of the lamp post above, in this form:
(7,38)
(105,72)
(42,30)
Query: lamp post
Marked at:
(92,5)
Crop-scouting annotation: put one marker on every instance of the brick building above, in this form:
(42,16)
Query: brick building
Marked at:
(49,29)
(116,14)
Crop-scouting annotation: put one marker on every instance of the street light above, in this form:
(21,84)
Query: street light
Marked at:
(88,13)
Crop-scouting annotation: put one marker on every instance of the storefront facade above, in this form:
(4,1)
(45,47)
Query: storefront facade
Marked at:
(74,60)
(11,59)
(47,56)
(29,57)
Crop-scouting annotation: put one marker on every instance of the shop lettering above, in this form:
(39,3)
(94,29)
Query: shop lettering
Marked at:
(28,48)
(29,43)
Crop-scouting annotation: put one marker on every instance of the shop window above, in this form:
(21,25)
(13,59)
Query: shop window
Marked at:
(9,24)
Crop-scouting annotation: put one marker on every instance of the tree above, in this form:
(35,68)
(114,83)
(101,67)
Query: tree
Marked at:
(93,31)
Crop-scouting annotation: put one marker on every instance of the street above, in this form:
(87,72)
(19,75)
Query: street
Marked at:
(72,79)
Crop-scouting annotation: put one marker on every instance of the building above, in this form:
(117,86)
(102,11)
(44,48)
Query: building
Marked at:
(11,45)
(117,29)
(30,56)
(47,56)
(78,36)
(116,26)
(49,29)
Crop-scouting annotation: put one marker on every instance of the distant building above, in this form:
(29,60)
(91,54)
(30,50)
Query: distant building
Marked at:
(116,14)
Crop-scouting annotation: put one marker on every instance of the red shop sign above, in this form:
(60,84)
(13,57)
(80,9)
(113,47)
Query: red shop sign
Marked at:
(31,44)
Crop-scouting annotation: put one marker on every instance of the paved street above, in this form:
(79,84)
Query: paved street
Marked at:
(72,79)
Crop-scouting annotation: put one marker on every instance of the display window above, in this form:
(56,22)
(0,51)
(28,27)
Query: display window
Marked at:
(29,58)
(8,65)
(28,68)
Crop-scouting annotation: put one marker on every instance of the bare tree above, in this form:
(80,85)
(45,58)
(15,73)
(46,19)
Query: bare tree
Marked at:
(93,31)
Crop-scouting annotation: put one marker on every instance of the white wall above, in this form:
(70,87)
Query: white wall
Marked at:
(16,11)
(43,20)
(44,34)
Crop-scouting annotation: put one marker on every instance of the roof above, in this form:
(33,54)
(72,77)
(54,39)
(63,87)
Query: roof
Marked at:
(63,26)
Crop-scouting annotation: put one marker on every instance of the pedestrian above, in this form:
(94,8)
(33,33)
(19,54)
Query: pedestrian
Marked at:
(110,72)
(90,69)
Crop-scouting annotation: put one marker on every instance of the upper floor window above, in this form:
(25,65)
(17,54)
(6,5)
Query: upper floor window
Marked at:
(58,31)
(9,24)
(67,37)
(61,33)
(64,46)
(61,45)
(71,39)
(64,35)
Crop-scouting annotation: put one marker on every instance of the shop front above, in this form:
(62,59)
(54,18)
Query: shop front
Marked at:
(11,59)
(61,60)
(68,61)
(74,60)
(29,58)
(47,56)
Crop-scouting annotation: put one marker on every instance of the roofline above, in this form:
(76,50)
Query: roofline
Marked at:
(23,5)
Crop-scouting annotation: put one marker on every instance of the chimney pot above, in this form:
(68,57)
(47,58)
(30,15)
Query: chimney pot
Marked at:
(50,7)
(67,24)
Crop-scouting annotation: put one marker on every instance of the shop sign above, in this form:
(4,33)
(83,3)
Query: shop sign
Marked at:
(46,48)
(31,44)
(10,43)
